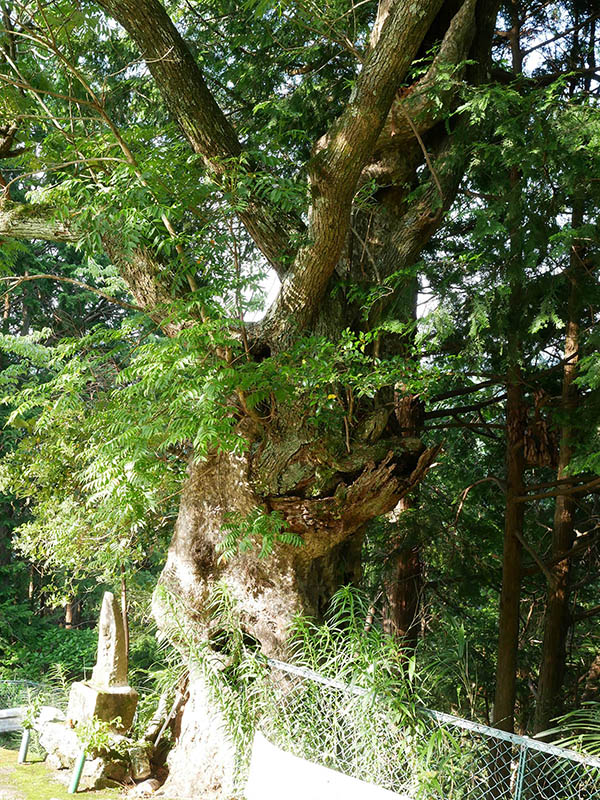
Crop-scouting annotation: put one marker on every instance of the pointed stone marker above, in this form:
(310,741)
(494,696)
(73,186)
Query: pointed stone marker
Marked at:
(107,695)
(111,663)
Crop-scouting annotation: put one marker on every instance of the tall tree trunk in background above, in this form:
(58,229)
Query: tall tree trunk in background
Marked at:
(31,588)
(516,419)
(7,511)
(25,317)
(72,614)
(403,585)
(508,636)
(510,596)
(4,546)
(556,621)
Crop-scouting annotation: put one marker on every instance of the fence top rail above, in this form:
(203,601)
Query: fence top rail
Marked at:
(19,682)
(446,719)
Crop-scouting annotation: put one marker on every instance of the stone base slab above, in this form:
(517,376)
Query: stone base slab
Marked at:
(86,701)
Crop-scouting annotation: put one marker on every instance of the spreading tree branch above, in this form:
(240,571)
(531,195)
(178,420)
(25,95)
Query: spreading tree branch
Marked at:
(582,543)
(450,412)
(14,281)
(591,486)
(207,129)
(20,221)
(591,612)
(421,106)
(462,390)
(561,35)
(139,267)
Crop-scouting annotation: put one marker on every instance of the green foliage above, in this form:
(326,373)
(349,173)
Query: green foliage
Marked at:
(38,647)
(119,411)
(32,712)
(97,737)
(103,411)
(344,648)
(579,729)
(256,529)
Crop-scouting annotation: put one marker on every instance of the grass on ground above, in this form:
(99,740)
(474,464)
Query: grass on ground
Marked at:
(34,781)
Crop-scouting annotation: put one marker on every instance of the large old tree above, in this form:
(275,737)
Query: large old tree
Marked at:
(171,108)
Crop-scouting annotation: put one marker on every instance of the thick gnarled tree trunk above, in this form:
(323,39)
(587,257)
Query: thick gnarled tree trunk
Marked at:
(403,578)
(268,592)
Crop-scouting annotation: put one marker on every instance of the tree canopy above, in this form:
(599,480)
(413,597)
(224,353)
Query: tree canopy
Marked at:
(311,291)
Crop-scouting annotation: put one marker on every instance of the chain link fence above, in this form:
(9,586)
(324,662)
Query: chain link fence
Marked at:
(419,754)
(18,693)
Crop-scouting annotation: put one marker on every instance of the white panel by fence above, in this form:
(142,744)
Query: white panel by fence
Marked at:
(275,774)
(10,719)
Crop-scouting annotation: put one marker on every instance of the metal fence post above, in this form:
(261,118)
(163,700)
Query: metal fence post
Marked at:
(521,771)
(24,746)
(77,770)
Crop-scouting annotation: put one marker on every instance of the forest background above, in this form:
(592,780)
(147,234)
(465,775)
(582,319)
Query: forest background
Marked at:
(135,267)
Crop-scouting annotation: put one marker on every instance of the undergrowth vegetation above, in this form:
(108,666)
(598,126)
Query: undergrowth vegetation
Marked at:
(361,725)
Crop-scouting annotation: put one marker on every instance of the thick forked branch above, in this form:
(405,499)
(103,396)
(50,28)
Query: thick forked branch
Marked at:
(208,131)
(426,103)
(339,159)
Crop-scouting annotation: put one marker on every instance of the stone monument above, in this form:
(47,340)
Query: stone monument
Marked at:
(107,695)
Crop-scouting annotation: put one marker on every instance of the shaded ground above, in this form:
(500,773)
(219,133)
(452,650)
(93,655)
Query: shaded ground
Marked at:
(35,782)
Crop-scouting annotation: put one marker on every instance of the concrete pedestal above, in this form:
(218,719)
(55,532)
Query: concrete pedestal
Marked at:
(87,701)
